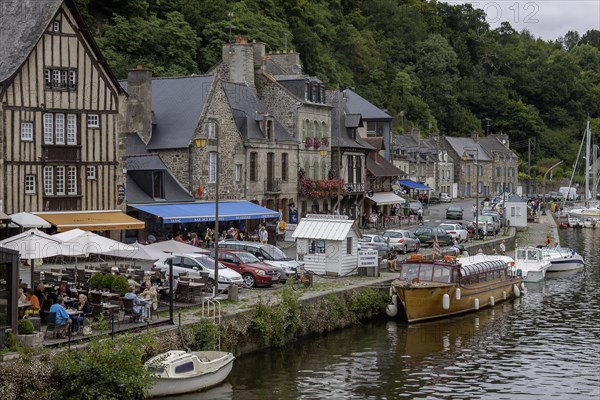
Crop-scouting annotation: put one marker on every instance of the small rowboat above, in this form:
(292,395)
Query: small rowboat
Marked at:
(181,372)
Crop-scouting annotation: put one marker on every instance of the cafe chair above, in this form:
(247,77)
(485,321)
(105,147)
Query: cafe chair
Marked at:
(129,312)
(52,327)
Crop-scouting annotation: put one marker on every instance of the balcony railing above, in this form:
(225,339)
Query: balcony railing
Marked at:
(273,185)
(355,187)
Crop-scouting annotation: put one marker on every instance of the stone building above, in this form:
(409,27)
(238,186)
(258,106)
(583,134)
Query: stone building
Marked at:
(505,163)
(473,166)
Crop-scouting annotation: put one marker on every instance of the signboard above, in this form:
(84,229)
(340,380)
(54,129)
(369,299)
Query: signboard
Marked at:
(289,230)
(368,258)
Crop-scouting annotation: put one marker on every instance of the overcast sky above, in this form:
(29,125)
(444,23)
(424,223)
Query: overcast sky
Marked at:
(548,19)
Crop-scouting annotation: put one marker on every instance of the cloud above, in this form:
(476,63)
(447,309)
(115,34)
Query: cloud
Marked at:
(547,19)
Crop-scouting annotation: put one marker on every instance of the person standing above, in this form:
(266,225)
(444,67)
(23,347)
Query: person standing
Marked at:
(263,235)
(420,216)
(502,248)
(474,208)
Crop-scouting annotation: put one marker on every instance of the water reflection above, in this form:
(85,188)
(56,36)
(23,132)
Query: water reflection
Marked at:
(545,344)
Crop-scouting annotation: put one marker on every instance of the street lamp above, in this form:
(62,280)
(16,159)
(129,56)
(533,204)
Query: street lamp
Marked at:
(212,133)
(465,157)
(544,186)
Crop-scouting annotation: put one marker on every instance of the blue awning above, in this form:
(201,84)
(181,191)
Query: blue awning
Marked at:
(205,211)
(413,185)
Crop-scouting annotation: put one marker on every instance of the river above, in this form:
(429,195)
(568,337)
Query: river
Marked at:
(543,345)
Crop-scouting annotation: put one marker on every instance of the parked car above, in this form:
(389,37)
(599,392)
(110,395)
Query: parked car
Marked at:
(402,240)
(254,272)
(197,264)
(434,198)
(491,223)
(374,242)
(428,234)
(414,206)
(267,253)
(456,231)
(496,216)
(454,212)
(445,198)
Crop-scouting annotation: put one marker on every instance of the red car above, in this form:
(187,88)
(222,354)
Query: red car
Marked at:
(253,271)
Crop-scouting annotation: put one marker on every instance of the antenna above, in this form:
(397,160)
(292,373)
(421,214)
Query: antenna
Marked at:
(230,26)
(286,34)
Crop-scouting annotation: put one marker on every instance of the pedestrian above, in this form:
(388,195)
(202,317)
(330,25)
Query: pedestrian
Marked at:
(420,216)
(263,235)
(502,248)
(474,208)
(548,240)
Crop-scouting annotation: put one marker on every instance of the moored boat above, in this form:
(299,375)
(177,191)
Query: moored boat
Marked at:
(531,263)
(179,372)
(563,259)
(430,289)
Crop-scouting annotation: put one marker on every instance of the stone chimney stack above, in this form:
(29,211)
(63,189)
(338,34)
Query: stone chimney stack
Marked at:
(241,59)
(475,137)
(139,103)
(416,135)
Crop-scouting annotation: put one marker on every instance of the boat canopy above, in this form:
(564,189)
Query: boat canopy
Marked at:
(482,267)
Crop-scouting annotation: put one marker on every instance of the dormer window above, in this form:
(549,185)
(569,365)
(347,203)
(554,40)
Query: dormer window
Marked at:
(270,129)
(306,91)
(212,130)
(314,93)
(323,94)
(56,26)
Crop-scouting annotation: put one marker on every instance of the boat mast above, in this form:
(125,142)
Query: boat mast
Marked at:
(587,162)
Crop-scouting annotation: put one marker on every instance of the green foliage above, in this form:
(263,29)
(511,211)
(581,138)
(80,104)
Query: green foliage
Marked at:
(11,341)
(105,370)
(277,323)
(107,281)
(120,283)
(25,327)
(96,280)
(206,336)
(368,303)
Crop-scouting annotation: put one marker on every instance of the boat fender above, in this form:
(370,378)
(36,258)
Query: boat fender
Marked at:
(457,294)
(391,291)
(446,301)
(522,285)
(395,299)
(504,294)
(391,310)
(516,291)
(492,301)
(476,303)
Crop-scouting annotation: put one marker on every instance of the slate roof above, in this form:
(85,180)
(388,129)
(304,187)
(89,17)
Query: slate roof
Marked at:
(248,111)
(140,165)
(22,24)
(177,105)
(355,104)
(493,144)
(380,167)
(459,144)
(343,124)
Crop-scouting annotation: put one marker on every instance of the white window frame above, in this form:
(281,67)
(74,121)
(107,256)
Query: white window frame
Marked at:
(212,130)
(93,121)
(55,78)
(30,184)
(71,129)
(48,180)
(91,172)
(59,128)
(27,131)
(72,79)
(71,180)
(56,26)
(48,128)
(59,172)
(212,167)
(48,77)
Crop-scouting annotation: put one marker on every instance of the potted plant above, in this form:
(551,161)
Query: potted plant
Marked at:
(316,143)
(107,281)
(308,142)
(96,281)
(27,336)
(9,352)
(120,283)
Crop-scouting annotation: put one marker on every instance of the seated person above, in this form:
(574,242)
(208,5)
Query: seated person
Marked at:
(40,292)
(156,278)
(83,305)
(63,321)
(21,298)
(392,259)
(132,282)
(150,293)
(63,290)
(137,305)
(32,299)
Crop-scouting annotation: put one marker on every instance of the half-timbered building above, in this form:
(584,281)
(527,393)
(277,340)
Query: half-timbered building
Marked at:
(61,110)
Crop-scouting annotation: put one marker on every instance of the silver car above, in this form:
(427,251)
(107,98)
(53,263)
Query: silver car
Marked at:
(374,242)
(402,240)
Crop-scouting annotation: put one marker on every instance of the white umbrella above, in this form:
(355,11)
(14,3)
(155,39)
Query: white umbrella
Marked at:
(34,244)
(27,220)
(141,252)
(173,246)
(81,242)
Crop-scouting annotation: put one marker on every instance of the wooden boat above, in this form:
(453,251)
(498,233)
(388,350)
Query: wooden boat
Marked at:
(429,289)
(179,372)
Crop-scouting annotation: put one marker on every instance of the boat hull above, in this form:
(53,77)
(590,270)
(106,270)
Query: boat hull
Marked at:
(174,386)
(566,264)
(425,301)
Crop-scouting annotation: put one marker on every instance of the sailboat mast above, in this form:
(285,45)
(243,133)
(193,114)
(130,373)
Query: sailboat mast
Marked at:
(588,136)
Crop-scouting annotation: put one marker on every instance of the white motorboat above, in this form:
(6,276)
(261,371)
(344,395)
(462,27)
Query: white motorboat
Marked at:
(179,372)
(563,259)
(531,264)
(574,222)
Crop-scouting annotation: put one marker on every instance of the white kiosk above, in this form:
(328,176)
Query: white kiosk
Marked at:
(327,244)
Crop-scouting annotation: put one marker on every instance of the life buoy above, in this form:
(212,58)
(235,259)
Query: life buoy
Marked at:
(199,191)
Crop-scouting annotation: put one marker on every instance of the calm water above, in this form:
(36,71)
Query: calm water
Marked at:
(544,345)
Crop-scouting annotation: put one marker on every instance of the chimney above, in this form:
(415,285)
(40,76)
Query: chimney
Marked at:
(239,58)
(139,103)
(475,137)
(416,135)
